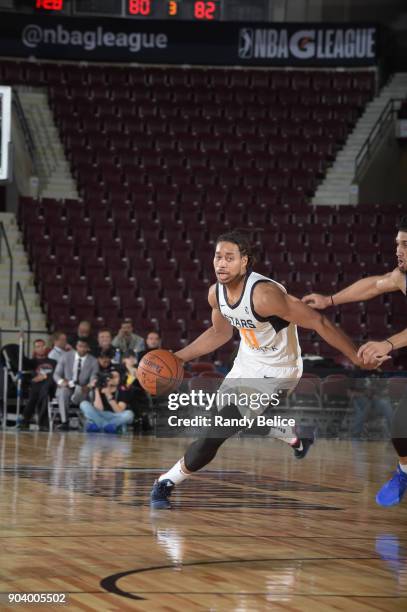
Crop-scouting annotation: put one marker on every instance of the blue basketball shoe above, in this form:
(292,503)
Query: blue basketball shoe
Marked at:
(393,491)
(160,493)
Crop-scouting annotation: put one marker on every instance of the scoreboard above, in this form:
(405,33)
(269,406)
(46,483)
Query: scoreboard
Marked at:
(200,9)
(195,10)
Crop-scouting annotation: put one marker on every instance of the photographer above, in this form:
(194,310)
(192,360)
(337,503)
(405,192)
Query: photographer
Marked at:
(135,396)
(108,412)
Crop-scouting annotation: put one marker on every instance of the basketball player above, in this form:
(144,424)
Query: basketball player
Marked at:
(266,317)
(365,289)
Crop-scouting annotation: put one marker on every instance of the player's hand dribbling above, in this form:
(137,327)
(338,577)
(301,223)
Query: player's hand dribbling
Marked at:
(371,351)
(318,301)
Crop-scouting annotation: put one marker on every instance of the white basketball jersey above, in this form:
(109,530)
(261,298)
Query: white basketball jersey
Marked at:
(271,341)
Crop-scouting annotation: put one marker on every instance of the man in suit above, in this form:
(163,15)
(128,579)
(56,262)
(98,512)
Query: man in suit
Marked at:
(74,375)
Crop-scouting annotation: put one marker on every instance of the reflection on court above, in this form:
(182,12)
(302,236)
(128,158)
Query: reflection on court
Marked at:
(256,531)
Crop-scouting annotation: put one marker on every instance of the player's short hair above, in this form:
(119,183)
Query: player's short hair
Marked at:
(39,340)
(402,225)
(243,242)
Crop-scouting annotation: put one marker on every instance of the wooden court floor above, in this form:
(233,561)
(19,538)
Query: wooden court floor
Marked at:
(257,531)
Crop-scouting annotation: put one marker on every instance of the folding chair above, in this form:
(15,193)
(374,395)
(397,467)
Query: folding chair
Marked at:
(11,375)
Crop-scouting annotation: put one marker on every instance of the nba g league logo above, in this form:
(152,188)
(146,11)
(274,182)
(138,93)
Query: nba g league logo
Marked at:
(306,44)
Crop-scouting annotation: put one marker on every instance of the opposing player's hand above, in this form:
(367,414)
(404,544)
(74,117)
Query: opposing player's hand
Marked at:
(374,364)
(316,300)
(371,351)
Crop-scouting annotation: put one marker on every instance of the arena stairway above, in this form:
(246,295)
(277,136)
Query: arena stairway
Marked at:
(23,275)
(336,187)
(54,172)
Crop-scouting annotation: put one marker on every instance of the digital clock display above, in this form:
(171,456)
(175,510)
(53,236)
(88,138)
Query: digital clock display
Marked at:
(50,5)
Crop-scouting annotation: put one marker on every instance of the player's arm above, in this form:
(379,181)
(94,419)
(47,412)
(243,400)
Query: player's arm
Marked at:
(376,349)
(364,289)
(269,300)
(218,334)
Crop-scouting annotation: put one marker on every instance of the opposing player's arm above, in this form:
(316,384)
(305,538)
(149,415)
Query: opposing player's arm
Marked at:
(364,289)
(269,300)
(218,334)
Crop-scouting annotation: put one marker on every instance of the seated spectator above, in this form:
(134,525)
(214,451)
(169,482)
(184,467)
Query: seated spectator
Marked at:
(105,342)
(153,341)
(41,388)
(84,333)
(127,340)
(105,362)
(108,411)
(59,345)
(369,397)
(74,375)
(136,398)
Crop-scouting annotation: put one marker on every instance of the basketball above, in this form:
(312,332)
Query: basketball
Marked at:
(160,372)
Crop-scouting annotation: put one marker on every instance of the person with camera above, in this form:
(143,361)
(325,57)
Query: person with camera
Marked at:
(136,398)
(108,411)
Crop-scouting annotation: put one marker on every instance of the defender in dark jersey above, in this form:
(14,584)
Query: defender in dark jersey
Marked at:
(266,317)
(366,289)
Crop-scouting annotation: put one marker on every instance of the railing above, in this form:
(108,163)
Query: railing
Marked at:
(369,146)
(3,236)
(26,130)
(4,330)
(20,298)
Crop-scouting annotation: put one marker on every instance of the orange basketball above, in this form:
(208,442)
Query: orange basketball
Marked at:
(160,372)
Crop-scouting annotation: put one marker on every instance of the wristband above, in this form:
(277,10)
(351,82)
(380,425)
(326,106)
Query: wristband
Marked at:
(391,344)
(332,301)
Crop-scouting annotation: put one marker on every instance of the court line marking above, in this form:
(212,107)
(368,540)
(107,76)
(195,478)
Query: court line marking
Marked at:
(192,536)
(109,584)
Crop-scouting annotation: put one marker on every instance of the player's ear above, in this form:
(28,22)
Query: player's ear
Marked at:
(245,260)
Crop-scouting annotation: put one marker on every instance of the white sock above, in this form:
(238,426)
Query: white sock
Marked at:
(403,467)
(285,434)
(176,474)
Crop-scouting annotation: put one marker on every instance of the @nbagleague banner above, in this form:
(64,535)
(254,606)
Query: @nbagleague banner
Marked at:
(251,44)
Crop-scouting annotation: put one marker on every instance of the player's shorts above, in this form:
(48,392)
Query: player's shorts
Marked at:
(248,385)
